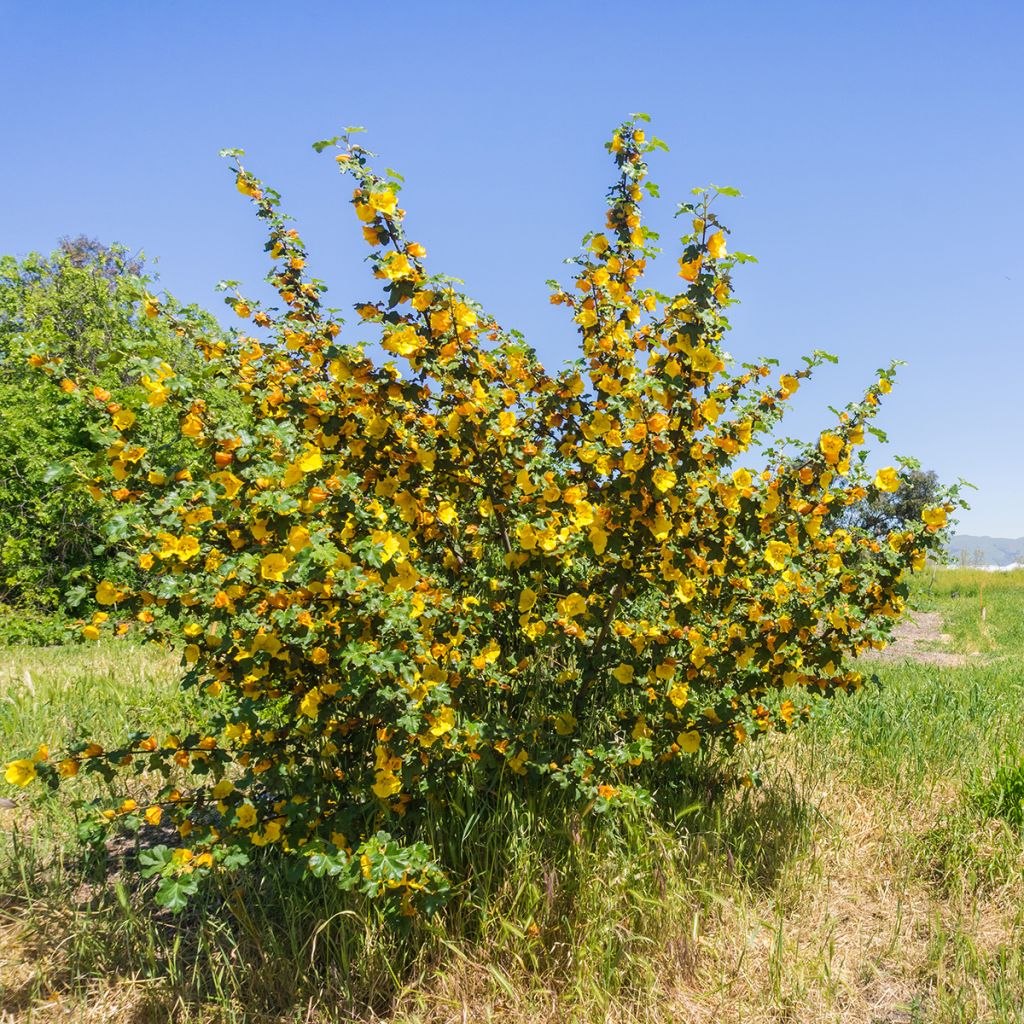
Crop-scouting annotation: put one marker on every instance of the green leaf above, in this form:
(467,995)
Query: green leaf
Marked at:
(57,471)
(174,892)
(154,860)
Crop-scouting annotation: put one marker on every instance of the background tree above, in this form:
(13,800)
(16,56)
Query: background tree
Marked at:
(82,303)
(883,512)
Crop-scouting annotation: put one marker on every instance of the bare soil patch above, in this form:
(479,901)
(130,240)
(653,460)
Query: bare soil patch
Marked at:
(919,637)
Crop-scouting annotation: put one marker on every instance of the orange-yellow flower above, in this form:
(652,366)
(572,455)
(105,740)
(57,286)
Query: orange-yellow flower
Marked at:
(690,269)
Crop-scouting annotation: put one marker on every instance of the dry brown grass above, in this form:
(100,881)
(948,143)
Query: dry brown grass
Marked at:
(847,936)
(892,901)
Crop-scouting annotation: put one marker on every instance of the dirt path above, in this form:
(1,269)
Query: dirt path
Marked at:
(919,638)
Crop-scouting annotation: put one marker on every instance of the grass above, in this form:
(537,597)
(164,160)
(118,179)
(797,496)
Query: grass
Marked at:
(877,875)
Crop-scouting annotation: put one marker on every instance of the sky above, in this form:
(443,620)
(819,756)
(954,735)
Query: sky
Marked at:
(879,148)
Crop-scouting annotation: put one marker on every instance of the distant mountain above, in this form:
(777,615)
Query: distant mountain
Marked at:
(986,550)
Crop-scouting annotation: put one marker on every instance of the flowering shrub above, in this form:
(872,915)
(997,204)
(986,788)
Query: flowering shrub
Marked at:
(454,569)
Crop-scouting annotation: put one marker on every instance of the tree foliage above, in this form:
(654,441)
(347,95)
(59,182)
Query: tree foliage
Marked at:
(82,306)
(883,512)
(456,571)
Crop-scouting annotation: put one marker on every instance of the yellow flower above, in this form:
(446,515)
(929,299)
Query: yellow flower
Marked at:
(191,426)
(641,730)
(273,567)
(572,605)
(440,321)
(387,784)
(270,834)
(310,460)
(716,245)
(527,599)
(228,481)
(660,526)
(689,741)
(704,360)
(831,447)
(20,772)
(442,722)
(247,187)
(527,536)
(123,419)
(789,385)
(153,815)
(518,763)
(742,478)
(404,342)
(565,724)
(188,547)
(383,202)
(246,815)
(223,789)
(298,538)
(310,703)
(664,479)
(775,554)
(396,266)
(689,269)
(623,673)
(679,694)
(887,479)
(934,518)
(107,593)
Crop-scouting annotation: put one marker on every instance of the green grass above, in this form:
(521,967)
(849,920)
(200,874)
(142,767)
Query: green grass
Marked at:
(877,874)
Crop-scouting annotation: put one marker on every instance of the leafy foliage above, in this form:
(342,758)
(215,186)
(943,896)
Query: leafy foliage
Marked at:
(455,573)
(883,512)
(81,305)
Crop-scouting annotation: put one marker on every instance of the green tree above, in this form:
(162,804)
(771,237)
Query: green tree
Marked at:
(82,304)
(883,512)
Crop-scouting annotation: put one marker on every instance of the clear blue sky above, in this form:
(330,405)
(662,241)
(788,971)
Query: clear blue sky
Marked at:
(879,146)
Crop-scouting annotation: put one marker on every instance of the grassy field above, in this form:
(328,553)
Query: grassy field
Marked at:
(876,875)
